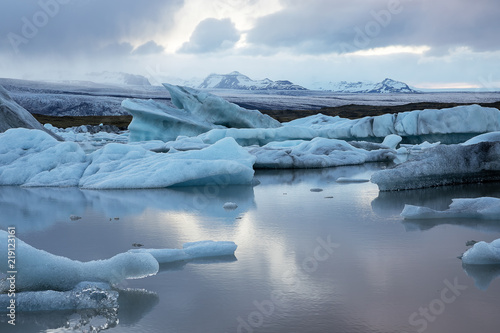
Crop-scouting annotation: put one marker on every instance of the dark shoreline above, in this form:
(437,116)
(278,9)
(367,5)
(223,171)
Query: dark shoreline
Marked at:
(351,111)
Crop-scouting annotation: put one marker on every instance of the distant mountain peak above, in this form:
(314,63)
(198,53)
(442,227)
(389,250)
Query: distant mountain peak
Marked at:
(239,81)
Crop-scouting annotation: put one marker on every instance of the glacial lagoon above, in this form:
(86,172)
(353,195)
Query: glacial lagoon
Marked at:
(339,258)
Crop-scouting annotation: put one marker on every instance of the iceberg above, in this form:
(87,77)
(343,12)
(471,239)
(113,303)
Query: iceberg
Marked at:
(192,250)
(317,153)
(34,158)
(40,270)
(13,115)
(156,121)
(197,112)
(443,165)
(483,253)
(449,125)
(476,208)
(216,110)
(118,166)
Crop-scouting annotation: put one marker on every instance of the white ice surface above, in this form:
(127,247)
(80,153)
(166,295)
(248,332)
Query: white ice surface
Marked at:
(483,253)
(33,158)
(317,153)
(443,165)
(119,166)
(193,250)
(40,270)
(477,208)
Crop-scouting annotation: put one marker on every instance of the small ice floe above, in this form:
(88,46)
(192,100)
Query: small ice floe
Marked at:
(137,245)
(316,189)
(471,243)
(230,206)
(74,217)
(483,253)
(486,208)
(351,180)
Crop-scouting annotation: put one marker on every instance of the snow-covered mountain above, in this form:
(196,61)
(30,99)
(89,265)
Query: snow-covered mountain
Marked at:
(386,86)
(236,80)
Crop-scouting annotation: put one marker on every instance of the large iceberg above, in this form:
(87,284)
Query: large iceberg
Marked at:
(119,166)
(33,158)
(449,125)
(443,165)
(317,153)
(475,208)
(197,112)
(13,115)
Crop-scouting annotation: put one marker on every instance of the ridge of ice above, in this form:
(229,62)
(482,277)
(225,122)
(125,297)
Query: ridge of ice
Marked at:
(443,165)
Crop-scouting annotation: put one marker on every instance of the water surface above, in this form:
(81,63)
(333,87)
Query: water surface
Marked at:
(337,260)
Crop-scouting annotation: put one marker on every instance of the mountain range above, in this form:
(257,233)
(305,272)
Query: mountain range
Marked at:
(237,81)
(383,87)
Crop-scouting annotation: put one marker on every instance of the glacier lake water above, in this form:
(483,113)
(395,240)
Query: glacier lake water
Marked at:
(313,255)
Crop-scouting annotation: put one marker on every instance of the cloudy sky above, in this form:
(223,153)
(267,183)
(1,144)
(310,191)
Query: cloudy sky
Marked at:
(425,43)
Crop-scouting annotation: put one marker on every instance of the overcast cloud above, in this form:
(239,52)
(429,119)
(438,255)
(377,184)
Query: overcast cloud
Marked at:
(444,40)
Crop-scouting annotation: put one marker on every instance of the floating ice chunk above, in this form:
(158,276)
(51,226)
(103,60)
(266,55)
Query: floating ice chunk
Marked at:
(34,158)
(123,166)
(478,208)
(487,137)
(230,206)
(392,141)
(40,270)
(317,153)
(13,115)
(443,165)
(316,189)
(85,295)
(483,253)
(189,251)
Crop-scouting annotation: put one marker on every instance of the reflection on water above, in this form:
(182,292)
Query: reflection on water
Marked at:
(339,260)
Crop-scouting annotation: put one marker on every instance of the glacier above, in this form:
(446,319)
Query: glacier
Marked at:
(443,165)
(473,208)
